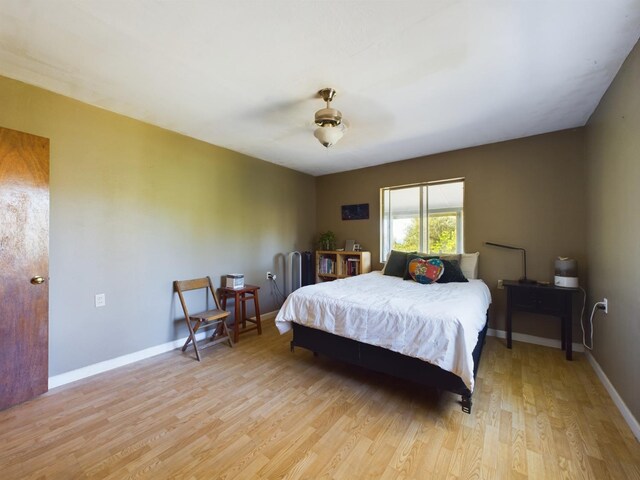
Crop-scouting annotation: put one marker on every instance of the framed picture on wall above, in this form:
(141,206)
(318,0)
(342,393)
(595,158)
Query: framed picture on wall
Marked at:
(355,212)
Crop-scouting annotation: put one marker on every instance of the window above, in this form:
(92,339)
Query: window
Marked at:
(425,217)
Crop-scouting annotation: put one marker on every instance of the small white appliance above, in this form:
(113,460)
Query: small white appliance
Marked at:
(566,273)
(235,280)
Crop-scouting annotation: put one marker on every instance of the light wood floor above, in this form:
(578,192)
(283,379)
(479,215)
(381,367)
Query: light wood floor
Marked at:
(259,411)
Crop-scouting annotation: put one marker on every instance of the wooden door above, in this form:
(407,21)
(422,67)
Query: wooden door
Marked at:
(24,266)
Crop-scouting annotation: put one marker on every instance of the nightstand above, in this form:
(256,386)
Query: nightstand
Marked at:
(544,300)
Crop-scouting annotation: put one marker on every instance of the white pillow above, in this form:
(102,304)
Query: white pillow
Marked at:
(469,264)
(385,262)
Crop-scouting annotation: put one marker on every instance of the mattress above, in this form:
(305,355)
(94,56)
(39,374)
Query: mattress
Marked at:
(437,323)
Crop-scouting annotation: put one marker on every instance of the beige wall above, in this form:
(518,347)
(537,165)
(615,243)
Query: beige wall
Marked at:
(134,207)
(613,146)
(528,192)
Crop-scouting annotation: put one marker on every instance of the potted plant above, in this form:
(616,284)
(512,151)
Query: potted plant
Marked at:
(327,240)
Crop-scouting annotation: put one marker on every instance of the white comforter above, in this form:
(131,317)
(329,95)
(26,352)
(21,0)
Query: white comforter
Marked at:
(438,323)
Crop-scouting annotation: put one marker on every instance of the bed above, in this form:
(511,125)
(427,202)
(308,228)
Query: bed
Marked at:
(428,334)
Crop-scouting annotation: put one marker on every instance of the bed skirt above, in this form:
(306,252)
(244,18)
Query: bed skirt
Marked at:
(386,361)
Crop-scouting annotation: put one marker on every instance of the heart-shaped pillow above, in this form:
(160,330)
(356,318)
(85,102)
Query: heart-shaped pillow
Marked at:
(426,270)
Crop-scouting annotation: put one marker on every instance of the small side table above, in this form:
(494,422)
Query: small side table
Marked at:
(241,296)
(545,300)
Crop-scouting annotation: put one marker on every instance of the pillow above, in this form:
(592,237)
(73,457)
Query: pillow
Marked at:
(384,264)
(452,272)
(451,257)
(426,270)
(396,263)
(413,256)
(469,264)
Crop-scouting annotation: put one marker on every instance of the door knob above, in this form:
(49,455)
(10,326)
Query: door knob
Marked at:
(37,280)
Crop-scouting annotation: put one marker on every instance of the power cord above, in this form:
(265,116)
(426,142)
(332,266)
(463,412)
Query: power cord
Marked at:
(284,297)
(600,305)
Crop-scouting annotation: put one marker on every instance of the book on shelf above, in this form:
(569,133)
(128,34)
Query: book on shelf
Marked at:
(326,266)
(352,266)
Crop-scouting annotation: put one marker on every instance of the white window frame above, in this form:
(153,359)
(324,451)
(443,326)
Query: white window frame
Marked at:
(385,223)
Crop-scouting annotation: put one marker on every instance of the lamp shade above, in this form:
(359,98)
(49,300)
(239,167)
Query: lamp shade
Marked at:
(328,136)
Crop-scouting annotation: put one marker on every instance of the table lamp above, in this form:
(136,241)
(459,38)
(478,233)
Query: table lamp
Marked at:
(524,278)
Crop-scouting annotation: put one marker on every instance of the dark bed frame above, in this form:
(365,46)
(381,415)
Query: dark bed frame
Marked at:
(385,361)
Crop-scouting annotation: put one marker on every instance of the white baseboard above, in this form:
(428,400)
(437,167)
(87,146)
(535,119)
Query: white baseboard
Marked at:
(545,342)
(617,399)
(578,347)
(89,370)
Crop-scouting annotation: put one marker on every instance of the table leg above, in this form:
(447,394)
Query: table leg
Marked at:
(223,305)
(243,300)
(256,303)
(236,322)
(569,337)
(563,334)
(568,326)
(508,318)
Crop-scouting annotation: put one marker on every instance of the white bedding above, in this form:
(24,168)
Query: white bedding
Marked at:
(438,323)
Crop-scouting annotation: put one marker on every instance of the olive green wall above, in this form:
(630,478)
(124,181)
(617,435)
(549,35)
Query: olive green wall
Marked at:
(613,153)
(528,192)
(134,207)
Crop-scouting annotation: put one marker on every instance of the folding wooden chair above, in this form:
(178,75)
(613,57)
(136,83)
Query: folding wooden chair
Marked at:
(216,316)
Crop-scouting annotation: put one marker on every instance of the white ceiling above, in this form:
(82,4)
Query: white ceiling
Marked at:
(413,77)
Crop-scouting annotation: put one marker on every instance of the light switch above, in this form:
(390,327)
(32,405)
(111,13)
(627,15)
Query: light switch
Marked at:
(101,300)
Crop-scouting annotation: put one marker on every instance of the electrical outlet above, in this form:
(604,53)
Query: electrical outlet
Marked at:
(500,285)
(603,305)
(271,276)
(101,300)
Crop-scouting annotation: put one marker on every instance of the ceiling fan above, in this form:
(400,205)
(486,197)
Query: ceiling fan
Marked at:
(329,120)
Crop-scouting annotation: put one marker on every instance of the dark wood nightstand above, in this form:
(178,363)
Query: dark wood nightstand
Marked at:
(545,300)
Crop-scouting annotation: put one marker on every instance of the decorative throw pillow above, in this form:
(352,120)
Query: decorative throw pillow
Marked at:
(452,272)
(426,270)
(413,256)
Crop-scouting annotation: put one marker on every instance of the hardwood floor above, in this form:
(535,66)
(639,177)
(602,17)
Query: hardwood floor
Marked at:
(259,411)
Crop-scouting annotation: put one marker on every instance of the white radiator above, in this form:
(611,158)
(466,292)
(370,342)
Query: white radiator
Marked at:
(292,272)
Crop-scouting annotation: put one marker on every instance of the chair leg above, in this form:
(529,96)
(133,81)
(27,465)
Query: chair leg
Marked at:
(192,338)
(192,333)
(225,329)
(221,331)
(184,347)
(195,344)
(216,333)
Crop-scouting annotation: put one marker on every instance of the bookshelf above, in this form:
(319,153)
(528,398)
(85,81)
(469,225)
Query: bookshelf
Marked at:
(331,264)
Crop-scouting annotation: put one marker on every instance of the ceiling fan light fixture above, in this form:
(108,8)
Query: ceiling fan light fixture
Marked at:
(328,116)
(329,120)
(328,135)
